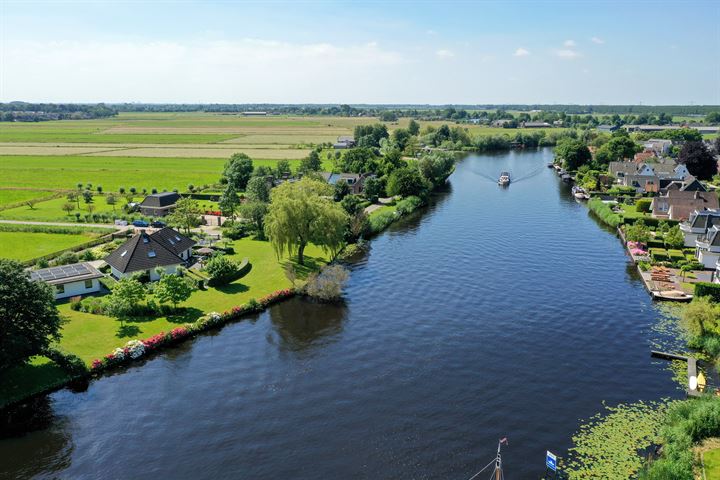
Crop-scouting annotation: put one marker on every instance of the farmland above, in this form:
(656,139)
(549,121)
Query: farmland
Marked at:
(12,196)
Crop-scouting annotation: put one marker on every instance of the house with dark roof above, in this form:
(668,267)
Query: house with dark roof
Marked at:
(679,205)
(354,180)
(159,204)
(698,224)
(164,249)
(70,280)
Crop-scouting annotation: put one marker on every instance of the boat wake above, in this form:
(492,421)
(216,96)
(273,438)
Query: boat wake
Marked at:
(526,176)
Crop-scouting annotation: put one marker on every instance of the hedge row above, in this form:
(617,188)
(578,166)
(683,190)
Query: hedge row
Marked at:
(707,289)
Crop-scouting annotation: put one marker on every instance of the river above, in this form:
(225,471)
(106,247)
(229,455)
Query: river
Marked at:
(495,312)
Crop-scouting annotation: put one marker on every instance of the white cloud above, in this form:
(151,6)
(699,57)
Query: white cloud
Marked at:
(567,54)
(597,40)
(243,70)
(442,53)
(570,43)
(521,52)
(430,32)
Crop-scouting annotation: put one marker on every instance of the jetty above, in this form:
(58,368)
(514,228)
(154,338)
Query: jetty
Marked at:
(692,390)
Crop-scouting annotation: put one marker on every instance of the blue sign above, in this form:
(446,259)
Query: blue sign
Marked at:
(551,461)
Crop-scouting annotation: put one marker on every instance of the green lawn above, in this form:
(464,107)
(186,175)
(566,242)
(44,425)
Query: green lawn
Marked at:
(92,336)
(14,196)
(711,459)
(51,210)
(28,245)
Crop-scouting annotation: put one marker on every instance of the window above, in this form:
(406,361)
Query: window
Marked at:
(152,254)
(59,288)
(123,253)
(88,284)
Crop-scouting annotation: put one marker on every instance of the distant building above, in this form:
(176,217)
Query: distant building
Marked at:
(500,123)
(254,114)
(645,156)
(658,145)
(70,280)
(535,125)
(344,142)
(607,128)
(165,248)
(159,204)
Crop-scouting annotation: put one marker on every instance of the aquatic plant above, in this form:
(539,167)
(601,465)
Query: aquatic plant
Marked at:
(609,444)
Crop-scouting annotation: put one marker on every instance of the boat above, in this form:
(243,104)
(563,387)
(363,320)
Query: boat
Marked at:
(504,179)
(580,193)
(551,165)
(497,472)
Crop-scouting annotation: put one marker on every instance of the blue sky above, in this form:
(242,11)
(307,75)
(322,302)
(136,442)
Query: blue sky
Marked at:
(651,52)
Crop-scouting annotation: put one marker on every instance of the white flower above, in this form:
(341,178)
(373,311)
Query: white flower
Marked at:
(119,353)
(135,348)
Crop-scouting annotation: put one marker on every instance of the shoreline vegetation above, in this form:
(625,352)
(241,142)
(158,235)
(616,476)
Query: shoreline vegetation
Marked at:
(656,440)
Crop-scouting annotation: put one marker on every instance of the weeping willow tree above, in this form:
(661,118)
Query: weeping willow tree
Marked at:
(303,212)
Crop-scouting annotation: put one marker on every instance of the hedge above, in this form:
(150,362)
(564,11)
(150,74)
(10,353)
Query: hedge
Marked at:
(676,255)
(659,254)
(604,212)
(707,289)
(650,221)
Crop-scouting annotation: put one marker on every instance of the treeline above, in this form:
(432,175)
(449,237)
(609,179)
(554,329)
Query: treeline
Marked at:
(39,112)
(450,112)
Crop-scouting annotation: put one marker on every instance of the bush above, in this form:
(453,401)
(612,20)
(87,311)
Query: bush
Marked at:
(222,270)
(237,230)
(72,364)
(66,259)
(643,205)
(327,285)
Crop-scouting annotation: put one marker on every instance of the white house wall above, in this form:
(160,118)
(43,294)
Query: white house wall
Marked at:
(75,289)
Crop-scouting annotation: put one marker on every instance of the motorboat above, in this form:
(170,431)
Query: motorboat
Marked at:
(504,179)
(580,193)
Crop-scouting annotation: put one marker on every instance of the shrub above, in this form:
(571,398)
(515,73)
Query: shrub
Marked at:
(221,270)
(66,259)
(237,230)
(69,362)
(328,284)
(643,205)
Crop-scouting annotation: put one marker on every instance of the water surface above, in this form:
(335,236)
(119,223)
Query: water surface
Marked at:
(494,312)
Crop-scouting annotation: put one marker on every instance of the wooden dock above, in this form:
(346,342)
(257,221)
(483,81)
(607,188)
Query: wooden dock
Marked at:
(691,367)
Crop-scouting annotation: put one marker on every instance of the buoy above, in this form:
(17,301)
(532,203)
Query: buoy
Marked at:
(693,383)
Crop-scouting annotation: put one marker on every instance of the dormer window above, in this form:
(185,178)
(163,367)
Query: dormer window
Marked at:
(152,254)
(123,253)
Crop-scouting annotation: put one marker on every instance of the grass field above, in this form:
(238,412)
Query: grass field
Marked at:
(28,245)
(8,197)
(51,210)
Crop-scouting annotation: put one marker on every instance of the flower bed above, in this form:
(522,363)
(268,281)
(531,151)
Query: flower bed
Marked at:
(136,349)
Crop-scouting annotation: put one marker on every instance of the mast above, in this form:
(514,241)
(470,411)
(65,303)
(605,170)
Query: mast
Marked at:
(498,463)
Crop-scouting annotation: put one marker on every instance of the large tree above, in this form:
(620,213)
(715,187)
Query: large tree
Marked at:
(186,214)
(437,167)
(311,163)
(238,170)
(407,181)
(126,294)
(573,153)
(302,212)
(616,149)
(29,320)
(173,289)
(258,190)
(699,161)
(229,201)
(255,211)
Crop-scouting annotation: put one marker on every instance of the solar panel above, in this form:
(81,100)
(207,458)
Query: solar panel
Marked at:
(61,272)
